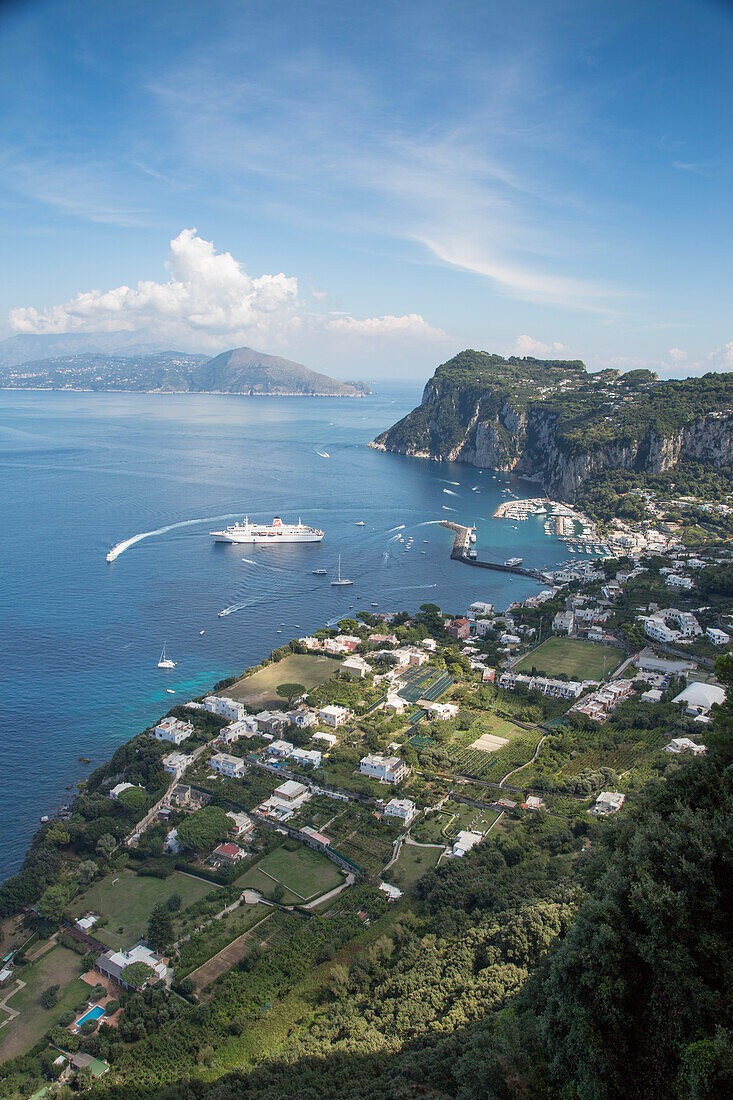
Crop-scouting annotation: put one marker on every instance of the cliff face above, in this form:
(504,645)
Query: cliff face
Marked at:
(556,423)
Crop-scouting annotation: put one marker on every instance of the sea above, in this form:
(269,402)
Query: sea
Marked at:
(80,638)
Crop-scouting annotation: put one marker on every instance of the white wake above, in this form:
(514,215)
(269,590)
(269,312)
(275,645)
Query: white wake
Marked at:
(120,547)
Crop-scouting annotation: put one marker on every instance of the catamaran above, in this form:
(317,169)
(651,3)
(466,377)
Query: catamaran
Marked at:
(165,662)
(340,581)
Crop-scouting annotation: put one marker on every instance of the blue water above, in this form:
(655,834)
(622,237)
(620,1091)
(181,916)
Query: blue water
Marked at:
(80,638)
(95,1013)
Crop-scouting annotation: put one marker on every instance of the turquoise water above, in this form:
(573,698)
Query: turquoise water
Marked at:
(95,1013)
(80,638)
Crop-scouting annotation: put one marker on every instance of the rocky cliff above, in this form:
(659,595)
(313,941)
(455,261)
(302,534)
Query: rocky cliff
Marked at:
(555,422)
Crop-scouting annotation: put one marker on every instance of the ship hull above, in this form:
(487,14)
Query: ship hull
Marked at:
(268,540)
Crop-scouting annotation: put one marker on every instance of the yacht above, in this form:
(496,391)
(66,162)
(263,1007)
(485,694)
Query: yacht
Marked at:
(360,523)
(165,662)
(340,581)
(319,572)
(271,534)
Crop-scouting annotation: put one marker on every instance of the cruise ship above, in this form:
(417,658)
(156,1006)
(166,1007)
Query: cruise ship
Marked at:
(273,533)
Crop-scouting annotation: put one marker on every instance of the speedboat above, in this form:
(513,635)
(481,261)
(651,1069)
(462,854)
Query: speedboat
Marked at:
(319,572)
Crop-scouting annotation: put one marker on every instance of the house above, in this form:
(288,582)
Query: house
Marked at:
(173,730)
(307,757)
(430,645)
(87,922)
(393,892)
(458,629)
(553,689)
(274,722)
(246,727)
(242,824)
(510,639)
(334,716)
(563,622)
(653,695)
(383,639)
(117,791)
(302,719)
(230,709)
(608,802)
(684,744)
(395,703)
(113,963)
(350,641)
(441,711)
(172,844)
(388,769)
(175,763)
(532,802)
(229,852)
(281,748)
(699,698)
(232,766)
(290,791)
(408,655)
(716,636)
(356,666)
(464,842)
(655,627)
(478,607)
(314,839)
(678,582)
(328,739)
(336,649)
(402,808)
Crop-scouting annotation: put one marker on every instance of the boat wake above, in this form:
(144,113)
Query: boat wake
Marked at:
(323,454)
(400,528)
(447,509)
(451,492)
(120,547)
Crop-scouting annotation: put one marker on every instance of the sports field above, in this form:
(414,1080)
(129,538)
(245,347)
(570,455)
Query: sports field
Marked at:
(127,900)
(578,660)
(258,690)
(303,873)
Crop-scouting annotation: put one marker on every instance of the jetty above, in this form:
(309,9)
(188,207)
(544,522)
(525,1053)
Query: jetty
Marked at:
(464,536)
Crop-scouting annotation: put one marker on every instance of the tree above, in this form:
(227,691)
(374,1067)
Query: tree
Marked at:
(290,692)
(134,798)
(54,900)
(49,996)
(106,844)
(160,928)
(204,828)
(86,871)
(137,975)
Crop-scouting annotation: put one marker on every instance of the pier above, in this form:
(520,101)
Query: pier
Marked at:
(460,552)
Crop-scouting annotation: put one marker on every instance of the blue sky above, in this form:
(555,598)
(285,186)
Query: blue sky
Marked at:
(374,185)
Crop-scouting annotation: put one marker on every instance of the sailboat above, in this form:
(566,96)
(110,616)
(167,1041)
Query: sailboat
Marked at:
(340,581)
(165,662)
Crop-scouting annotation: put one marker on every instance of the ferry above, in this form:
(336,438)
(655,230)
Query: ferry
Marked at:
(513,561)
(272,534)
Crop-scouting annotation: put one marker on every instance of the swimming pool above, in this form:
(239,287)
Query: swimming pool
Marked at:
(95,1013)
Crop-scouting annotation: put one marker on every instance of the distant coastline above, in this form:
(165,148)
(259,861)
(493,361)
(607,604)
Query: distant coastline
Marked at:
(173,393)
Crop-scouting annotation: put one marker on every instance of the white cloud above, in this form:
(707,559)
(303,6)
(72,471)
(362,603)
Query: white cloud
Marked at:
(209,301)
(527,345)
(677,355)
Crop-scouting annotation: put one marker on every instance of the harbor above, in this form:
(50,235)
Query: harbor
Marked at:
(462,551)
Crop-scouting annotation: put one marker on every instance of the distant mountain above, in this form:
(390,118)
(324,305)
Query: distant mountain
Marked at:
(28,348)
(137,368)
(244,370)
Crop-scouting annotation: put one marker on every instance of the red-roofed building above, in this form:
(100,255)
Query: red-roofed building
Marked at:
(229,852)
(459,629)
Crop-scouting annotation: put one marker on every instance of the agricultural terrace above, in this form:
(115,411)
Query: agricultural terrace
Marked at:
(578,660)
(127,900)
(258,690)
(59,966)
(302,874)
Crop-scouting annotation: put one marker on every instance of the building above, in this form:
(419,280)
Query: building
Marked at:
(553,689)
(242,824)
(532,802)
(395,703)
(302,719)
(314,839)
(356,666)
(716,636)
(348,640)
(113,963)
(175,763)
(430,645)
(173,730)
(608,802)
(229,852)
(328,739)
(388,769)
(290,791)
(600,704)
(274,722)
(653,695)
(655,627)
(232,766)
(334,716)
(117,791)
(402,808)
(230,709)
(307,757)
(408,655)
(281,748)
(383,639)
(441,711)
(458,629)
(678,582)
(478,607)
(563,622)
(684,744)
(172,844)
(464,842)
(699,698)
(245,727)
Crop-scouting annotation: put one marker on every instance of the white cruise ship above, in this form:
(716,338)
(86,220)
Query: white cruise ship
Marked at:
(272,534)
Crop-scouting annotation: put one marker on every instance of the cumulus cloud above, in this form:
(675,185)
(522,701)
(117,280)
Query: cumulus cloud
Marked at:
(527,345)
(677,355)
(209,300)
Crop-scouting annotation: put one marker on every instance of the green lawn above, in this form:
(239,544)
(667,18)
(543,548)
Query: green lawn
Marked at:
(413,863)
(258,690)
(127,899)
(304,873)
(578,660)
(59,966)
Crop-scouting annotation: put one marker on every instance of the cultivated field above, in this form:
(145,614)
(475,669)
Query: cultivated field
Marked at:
(258,690)
(303,873)
(578,660)
(127,900)
(58,966)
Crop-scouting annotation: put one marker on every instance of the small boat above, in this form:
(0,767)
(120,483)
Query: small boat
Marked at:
(374,603)
(319,572)
(83,759)
(340,581)
(170,691)
(165,662)
(44,819)
(360,523)
(201,632)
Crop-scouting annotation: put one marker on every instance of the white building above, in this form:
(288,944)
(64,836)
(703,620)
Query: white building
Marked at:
(225,708)
(290,791)
(608,802)
(356,666)
(655,627)
(439,710)
(117,791)
(329,739)
(716,636)
(684,744)
(430,645)
(402,808)
(281,748)
(563,622)
(553,689)
(409,655)
(395,703)
(389,769)
(242,824)
(113,963)
(246,727)
(699,698)
(175,763)
(172,844)
(334,716)
(173,730)
(232,766)
(302,719)
(653,695)
(307,757)
(678,582)
(464,842)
